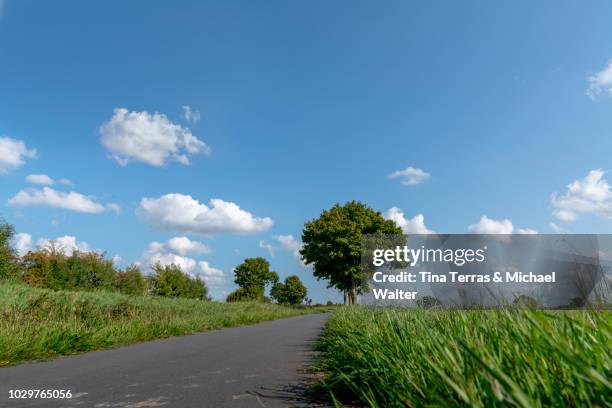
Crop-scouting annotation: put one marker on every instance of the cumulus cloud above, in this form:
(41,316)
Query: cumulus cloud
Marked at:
(58,199)
(179,212)
(41,179)
(181,246)
(166,258)
(414,225)
(289,243)
(148,138)
(410,176)
(162,254)
(589,195)
(526,231)
(212,276)
(601,82)
(488,225)
(13,154)
(190,115)
(22,243)
(68,244)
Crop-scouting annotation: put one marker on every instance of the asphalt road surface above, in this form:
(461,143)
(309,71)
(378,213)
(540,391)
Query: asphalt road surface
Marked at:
(251,366)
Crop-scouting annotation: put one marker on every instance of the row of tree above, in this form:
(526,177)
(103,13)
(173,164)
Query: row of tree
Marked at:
(52,268)
(331,244)
(253,276)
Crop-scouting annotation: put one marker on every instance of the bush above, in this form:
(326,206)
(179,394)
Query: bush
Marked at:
(171,281)
(247,294)
(130,281)
(53,269)
(8,267)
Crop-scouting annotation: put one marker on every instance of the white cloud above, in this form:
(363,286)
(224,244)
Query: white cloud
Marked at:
(13,154)
(414,225)
(488,225)
(148,138)
(268,247)
(23,243)
(52,198)
(589,195)
(166,258)
(289,243)
(68,244)
(526,231)
(212,276)
(601,82)
(410,176)
(161,253)
(180,212)
(41,179)
(181,246)
(190,115)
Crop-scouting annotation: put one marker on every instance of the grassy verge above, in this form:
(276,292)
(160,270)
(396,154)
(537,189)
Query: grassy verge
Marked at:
(40,323)
(398,358)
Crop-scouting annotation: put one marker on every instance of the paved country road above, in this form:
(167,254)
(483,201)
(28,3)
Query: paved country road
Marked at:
(251,366)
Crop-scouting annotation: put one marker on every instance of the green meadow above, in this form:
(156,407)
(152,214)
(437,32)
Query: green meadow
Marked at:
(396,358)
(42,323)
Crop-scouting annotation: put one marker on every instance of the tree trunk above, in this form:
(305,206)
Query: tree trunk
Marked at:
(346,300)
(352,295)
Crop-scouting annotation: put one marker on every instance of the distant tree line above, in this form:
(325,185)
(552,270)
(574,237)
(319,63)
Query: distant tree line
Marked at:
(253,276)
(50,267)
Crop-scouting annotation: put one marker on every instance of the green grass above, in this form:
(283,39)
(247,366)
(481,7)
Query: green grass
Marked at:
(396,358)
(41,323)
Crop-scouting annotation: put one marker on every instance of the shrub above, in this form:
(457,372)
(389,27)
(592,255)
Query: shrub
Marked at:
(8,267)
(130,281)
(53,269)
(247,294)
(171,281)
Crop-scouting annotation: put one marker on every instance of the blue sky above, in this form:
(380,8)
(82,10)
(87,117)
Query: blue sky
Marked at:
(495,107)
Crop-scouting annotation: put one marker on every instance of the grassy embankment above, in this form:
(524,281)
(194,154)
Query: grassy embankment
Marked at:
(41,323)
(393,358)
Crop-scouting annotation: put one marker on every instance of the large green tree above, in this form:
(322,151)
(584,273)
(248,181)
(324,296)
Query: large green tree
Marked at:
(292,291)
(332,244)
(252,275)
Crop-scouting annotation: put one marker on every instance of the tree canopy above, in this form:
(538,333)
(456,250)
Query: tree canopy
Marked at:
(7,254)
(332,244)
(252,276)
(292,291)
(171,281)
